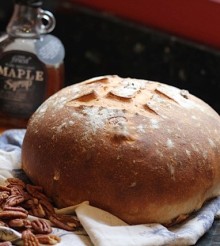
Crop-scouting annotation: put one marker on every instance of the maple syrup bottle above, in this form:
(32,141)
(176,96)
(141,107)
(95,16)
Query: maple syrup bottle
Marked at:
(31,63)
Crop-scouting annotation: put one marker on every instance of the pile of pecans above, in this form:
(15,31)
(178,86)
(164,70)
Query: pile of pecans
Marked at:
(18,200)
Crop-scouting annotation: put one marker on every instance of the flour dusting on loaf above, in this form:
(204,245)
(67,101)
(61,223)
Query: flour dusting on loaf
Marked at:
(142,150)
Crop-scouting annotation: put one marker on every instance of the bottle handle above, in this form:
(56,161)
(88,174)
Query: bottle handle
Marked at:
(48,21)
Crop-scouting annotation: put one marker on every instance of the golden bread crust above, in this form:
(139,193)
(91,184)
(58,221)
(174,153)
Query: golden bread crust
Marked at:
(142,150)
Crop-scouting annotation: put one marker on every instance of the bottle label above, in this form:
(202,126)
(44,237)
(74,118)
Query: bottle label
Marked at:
(49,49)
(22,83)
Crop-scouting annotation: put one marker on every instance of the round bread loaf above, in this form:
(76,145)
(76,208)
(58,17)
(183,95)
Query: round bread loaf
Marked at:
(142,150)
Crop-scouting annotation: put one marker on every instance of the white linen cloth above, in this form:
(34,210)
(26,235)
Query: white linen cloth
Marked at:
(101,228)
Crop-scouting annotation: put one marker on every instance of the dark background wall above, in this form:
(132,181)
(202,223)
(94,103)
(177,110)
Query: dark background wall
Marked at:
(98,43)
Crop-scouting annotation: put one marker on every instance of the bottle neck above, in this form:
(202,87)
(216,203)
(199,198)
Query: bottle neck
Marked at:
(25,22)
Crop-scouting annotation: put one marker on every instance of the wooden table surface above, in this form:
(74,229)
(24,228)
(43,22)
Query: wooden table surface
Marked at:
(2,129)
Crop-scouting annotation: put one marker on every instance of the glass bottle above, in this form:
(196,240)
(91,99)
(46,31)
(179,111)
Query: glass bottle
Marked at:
(31,63)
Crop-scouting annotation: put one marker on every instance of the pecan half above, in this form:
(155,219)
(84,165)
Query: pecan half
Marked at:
(16,223)
(35,208)
(16,182)
(48,208)
(29,238)
(36,191)
(48,239)
(40,226)
(7,214)
(14,200)
(19,209)
(65,222)
(20,223)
